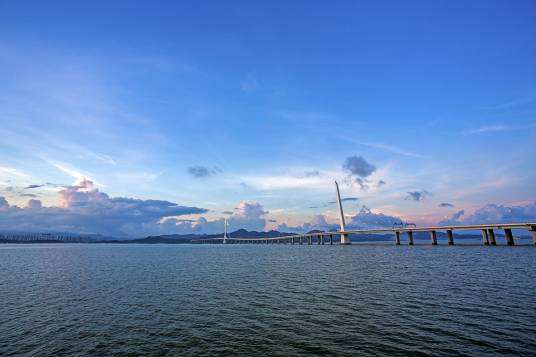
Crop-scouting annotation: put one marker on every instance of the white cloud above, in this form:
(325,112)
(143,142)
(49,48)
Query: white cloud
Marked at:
(493,213)
(85,209)
(14,172)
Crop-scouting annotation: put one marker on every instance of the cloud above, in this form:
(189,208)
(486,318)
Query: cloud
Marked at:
(445,204)
(317,223)
(312,173)
(34,204)
(349,199)
(32,186)
(497,128)
(85,209)
(493,213)
(381,183)
(358,166)
(27,195)
(247,215)
(510,104)
(417,195)
(13,171)
(272,220)
(227,212)
(202,171)
(358,169)
(365,219)
(394,150)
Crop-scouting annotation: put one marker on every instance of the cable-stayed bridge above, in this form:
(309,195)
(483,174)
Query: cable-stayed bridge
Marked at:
(321,238)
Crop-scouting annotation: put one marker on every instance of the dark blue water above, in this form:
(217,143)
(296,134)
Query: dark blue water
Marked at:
(266,300)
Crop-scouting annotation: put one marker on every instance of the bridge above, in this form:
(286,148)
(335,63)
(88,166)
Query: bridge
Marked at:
(321,238)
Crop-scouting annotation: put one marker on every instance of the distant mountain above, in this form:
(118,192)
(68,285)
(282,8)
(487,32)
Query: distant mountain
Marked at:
(241,233)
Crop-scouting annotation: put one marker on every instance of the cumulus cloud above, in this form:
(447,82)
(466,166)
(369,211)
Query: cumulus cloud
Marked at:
(85,209)
(417,195)
(493,213)
(358,169)
(365,218)
(445,204)
(317,223)
(358,166)
(247,215)
(202,171)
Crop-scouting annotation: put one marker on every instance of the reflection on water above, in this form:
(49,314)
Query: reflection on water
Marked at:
(258,299)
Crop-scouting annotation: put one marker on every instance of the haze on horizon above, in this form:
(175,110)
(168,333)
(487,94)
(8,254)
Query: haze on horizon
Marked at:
(127,119)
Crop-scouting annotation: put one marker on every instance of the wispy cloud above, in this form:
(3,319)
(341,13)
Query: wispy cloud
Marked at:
(202,171)
(497,128)
(510,104)
(394,150)
(13,171)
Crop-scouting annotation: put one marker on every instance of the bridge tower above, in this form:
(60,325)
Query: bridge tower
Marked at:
(225,224)
(344,237)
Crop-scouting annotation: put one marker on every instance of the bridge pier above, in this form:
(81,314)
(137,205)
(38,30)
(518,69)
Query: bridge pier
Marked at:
(509,236)
(331,239)
(533,230)
(491,234)
(309,240)
(410,237)
(318,240)
(450,237)
(322,238)
(433,237)
(397,238)
(485,238)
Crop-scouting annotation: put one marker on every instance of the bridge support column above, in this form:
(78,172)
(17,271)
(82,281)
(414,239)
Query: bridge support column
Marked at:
(331,239)
(509,236)
(322,239)
(300,240)
(309,240)
(292,240)
(450,237)
(533,230)
(410,237)
(397,238)
(318,240)
(485,238)
(491,234)
(433,237)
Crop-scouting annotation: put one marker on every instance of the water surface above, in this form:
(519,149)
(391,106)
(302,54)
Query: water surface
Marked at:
(93,299)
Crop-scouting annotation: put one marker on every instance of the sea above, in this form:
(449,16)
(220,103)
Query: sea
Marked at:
(267,300)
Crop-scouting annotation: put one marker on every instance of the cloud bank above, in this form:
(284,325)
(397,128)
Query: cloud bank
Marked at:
(247,215)
(364,219)
(493,213)
(85,209)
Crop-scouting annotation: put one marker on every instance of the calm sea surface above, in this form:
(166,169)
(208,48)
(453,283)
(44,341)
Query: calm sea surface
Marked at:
(253,300)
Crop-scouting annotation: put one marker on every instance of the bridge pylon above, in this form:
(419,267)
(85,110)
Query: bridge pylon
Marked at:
(345,240)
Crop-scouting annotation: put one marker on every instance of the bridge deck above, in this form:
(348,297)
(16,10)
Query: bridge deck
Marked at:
(487,232)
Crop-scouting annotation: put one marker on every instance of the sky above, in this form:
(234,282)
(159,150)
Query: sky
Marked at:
(128,119)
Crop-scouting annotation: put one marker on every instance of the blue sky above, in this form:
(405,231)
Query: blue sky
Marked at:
(255,108)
